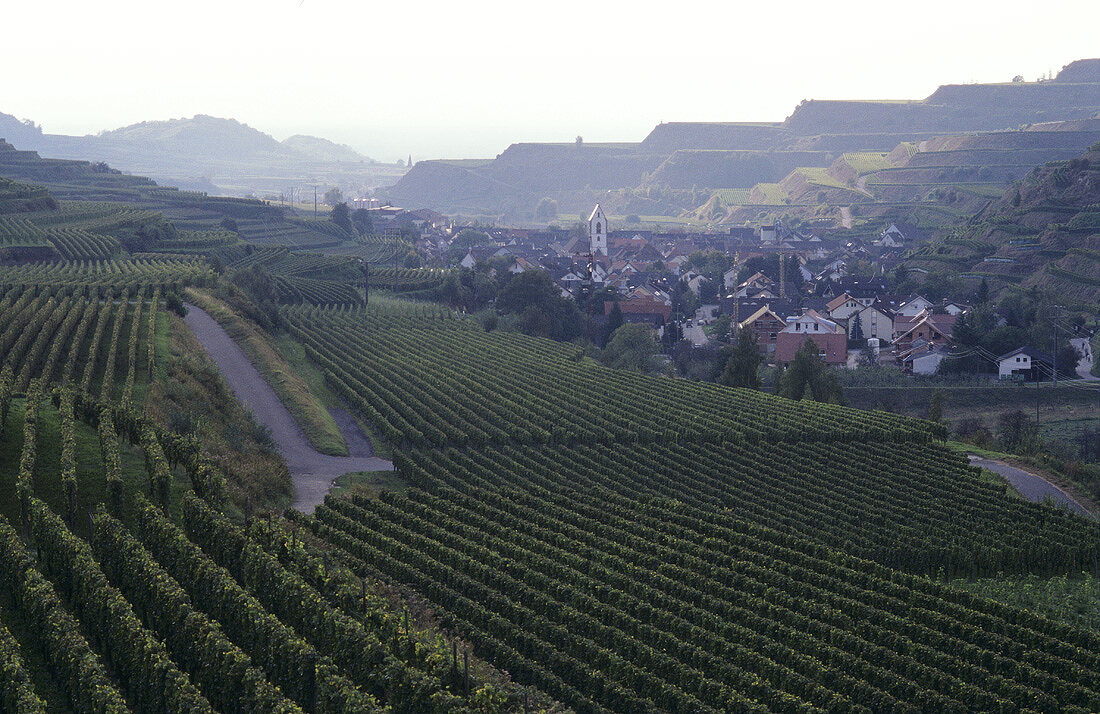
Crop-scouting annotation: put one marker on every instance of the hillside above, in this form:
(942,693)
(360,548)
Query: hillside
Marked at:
(655,545)
(323,150)
(727,156)
(1042,231)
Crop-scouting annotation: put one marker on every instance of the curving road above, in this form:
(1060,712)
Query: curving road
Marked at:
(1033,488)
(311,471)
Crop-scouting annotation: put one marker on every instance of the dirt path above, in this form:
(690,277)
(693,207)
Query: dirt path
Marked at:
(1031,486)
(312,471)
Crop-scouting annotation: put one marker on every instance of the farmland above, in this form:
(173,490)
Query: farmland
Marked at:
(590,538)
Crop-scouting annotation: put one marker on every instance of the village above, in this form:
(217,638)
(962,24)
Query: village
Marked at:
(783,284)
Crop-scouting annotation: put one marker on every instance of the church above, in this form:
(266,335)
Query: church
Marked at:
(597,232)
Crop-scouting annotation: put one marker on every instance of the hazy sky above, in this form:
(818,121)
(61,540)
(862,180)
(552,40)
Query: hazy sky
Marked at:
(465,79)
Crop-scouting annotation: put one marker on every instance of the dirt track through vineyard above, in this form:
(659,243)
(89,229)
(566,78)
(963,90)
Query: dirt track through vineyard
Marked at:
(311,471)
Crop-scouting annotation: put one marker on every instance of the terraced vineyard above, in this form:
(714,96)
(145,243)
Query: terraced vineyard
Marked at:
(113,275)
(934,518)
(63,337)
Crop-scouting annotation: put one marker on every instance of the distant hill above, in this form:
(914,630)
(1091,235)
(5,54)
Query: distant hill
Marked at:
(680,160)
(200,135)
(212,154)
(323,150)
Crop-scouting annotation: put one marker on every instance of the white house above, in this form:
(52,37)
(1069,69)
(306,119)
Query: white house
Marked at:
(843,307)
(926,361)
(1024,362)
(914,306)
(876,321)
(955,308)
(729,278)
(597,231)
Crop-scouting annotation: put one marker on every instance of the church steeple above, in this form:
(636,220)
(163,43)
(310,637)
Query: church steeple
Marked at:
(597,231)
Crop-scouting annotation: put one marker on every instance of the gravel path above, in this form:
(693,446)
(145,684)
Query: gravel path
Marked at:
(311,471)
(1032,487)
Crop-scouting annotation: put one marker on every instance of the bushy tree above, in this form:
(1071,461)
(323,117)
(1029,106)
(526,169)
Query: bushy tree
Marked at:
(341,216)
(362,220)
(1017,433)
(544,312)
(742,368)
(808,377)
(333,196)
(469,290)
(546,210)
(632,347)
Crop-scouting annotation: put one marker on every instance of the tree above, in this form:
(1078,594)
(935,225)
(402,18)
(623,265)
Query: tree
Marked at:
(362,220)
(742,368)
(807,377)
(855,337)
(412,260)
(632,347)
(722,328)
(982,296)
(544,312)
(546,210)
(614,322)
(1017,433)
(341,216)
(935,407)
(333,196)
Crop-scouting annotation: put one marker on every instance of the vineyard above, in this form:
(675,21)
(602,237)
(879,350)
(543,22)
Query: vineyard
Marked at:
(115,276)
(469,387)
(610,541)
(124,610)
(614,603)
(61,337)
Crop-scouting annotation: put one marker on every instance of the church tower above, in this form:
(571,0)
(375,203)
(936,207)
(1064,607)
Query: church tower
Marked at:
(597,231)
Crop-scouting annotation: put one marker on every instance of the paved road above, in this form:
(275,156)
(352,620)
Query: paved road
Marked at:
(311,471)
(1030,486)
(1084,366)
(696,335)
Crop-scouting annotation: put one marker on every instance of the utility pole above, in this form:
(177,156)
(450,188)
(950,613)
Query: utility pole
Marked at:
(782,276)
(1057,317)
(736,297)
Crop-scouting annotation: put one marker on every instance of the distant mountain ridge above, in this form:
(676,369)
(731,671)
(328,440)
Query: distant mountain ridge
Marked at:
(683,156)
(210,151)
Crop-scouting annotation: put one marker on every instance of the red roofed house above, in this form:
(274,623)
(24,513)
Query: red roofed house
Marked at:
(641,308)
(826,334)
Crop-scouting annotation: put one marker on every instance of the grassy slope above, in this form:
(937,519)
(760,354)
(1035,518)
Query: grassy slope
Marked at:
(295,355)
(190,395)
(316,421)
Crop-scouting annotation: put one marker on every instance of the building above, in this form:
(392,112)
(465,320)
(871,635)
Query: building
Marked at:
(924,359)
(826,334)
(643,308)
(926,326)
(766,324)
(1025,363)
(876,321)
(914,306)
(597,232)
